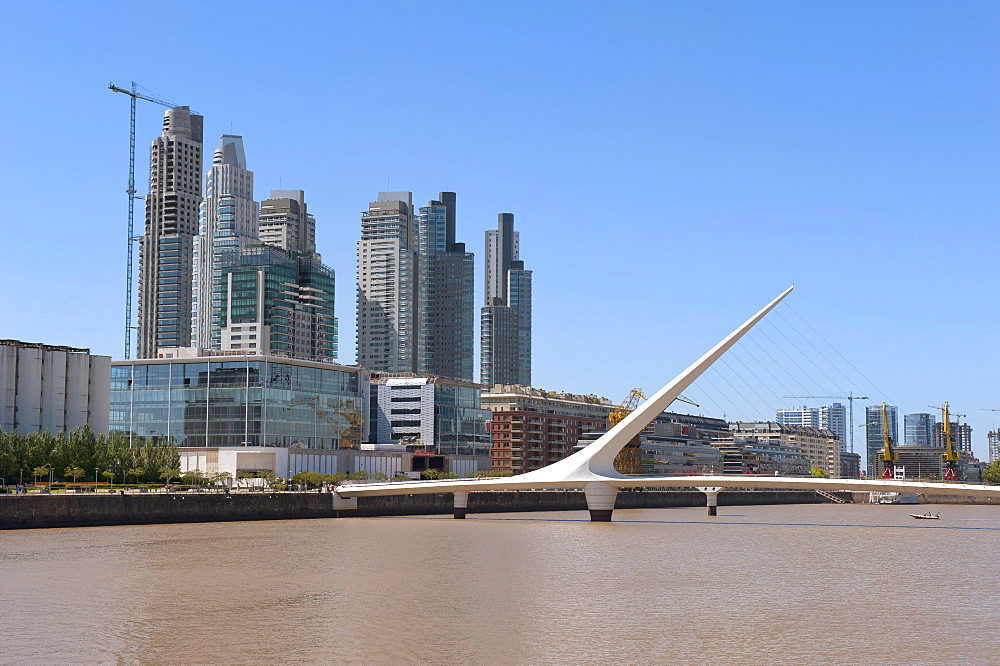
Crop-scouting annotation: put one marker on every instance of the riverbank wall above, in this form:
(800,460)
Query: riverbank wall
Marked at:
(862,498)
(45,511)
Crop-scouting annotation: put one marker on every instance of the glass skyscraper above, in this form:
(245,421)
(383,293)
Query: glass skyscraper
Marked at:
(228,224)
(505,319)
(446,298)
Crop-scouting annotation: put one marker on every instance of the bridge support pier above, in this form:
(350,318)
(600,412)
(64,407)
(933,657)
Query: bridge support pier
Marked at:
(600,500)
(461,504)
(712,499)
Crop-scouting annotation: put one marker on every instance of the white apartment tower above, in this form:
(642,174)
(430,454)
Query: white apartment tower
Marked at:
(829,417)
(228,224)
(387,280)
(166,252)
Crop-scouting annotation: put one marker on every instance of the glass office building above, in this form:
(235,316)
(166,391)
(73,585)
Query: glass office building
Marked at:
(225,401)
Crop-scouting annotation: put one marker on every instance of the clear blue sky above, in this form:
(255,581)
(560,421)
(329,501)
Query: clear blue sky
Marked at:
(672,165)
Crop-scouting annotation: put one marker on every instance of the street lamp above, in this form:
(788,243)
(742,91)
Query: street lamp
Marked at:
(95,480)
(51,477)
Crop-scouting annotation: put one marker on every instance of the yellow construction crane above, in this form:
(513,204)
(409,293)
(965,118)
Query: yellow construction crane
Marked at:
(629,459)
(630,402)
(889,455)
(951,455)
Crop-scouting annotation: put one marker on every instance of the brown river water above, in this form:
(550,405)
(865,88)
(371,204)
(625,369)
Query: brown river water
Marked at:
(804,584)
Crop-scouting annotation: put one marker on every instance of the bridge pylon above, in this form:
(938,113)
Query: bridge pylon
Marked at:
(711,498)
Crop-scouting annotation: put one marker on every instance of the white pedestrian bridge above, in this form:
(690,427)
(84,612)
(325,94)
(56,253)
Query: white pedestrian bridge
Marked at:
(592,468)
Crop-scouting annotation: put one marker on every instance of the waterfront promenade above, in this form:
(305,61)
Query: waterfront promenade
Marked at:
(43,511)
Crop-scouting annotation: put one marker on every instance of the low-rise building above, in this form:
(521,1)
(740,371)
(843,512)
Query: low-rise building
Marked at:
(850,465)
(532,428)
(53,388)
(234,413)
(763,455)
(820,445)
(927,462)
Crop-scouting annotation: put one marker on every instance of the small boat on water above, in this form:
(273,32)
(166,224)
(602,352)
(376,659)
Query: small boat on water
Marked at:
(926,516)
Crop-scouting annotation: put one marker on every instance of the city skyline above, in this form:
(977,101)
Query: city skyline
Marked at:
(864,155)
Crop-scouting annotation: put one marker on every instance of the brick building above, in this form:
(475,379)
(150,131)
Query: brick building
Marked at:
(532,428)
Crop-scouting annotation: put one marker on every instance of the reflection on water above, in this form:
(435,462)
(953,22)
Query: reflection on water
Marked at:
(776,584)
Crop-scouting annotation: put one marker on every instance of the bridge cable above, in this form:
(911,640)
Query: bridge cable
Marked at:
(749,385)
(846,360)
(775,361)
(807,357)
(778,399)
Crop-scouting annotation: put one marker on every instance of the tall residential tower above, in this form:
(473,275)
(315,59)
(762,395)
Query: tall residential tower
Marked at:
(166,252)
(228,224)
(446,299)
(505,338)
(387,283)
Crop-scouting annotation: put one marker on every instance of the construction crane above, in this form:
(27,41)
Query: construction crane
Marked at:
(951,455)
(889,455)
(134,95)
(850,398)
(629,459)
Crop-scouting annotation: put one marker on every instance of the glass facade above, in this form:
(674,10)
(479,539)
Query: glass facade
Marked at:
(292,294)
(239,402)
(460,421)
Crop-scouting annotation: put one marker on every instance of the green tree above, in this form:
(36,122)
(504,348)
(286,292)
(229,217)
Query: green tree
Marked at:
(992,472)
(818,472)
(168,473)
(136,472)
(192,477)
(40,471)
(74,473)
(109,475)
(430,474)
(268,477)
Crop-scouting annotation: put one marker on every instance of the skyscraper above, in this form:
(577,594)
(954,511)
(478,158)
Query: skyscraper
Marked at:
(285,222)
(166,251)
(505,336)
(445,296)
(873,431)
(918,429)
(387,283)
(228,224)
